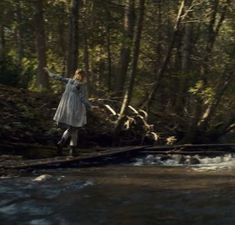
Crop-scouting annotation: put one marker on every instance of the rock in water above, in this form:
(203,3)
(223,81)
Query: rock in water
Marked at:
(43,177)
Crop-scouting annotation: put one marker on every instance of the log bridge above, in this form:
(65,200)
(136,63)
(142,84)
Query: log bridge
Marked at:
(91,157)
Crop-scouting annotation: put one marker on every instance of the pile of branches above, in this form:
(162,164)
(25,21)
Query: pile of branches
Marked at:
(133,127)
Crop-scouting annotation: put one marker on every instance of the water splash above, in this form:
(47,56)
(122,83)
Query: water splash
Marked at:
(195,161)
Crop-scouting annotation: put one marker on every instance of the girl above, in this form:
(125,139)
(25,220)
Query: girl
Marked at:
(71,112)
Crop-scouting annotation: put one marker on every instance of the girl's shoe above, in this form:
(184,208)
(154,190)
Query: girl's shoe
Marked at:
(72,150)
(60,144)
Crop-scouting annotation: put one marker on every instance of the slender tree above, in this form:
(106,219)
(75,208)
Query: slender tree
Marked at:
(42,78)
(213,32)
(185,68)
(72,58)
(204,110)
(136,49)
(2,29)
(19,33)
(2,42)
(162,69)
(128,28)
(109,57)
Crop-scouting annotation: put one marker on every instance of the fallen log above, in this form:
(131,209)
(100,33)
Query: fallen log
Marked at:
(205,152)
(121,153)
(186,147)
(56,162)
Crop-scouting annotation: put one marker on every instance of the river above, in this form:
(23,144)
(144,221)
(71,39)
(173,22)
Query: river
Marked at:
(137,193)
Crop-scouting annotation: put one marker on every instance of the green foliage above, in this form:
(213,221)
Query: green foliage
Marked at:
(101,28)
(9,72)
(15,75)
(205,93)
(27,72)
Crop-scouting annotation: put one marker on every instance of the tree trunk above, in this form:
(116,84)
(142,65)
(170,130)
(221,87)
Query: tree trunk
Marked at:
(109,58)
(19,33)
(2,42)
(212,107)
(86,54)
(186,50)
(42,78)
(212,33)
(204,113)
(165,62)
(159,38)
(86,62)
(72,58)
(136,48)
(62,43)
(128,25)
(130,82)
(211,36)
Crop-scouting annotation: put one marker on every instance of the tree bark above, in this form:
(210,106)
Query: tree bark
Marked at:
(136,47)
(128,25)
(130,84)
(86,54)
(19,33)
(42,78)
(211,36)
(213,31)
(109,58)
(2,42)
(222,85)
(159,38)
(203,113)
(186,51)
(62,43)
(166,60)
(72,58)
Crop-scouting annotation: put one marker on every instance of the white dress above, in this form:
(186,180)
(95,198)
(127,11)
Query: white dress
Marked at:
(73,105)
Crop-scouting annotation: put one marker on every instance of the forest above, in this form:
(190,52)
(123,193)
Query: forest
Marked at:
(168,63)
(145,91)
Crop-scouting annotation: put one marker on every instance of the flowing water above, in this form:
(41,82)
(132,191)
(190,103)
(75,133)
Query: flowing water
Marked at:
(148,191)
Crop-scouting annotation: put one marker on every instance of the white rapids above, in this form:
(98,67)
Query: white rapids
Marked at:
(197,162)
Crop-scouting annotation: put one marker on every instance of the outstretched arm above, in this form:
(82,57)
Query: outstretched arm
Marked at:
(56,76)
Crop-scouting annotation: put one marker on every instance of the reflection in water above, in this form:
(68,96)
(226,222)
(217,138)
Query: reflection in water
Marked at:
(121,195)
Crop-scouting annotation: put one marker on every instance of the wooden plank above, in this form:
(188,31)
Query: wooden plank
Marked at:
(63,161)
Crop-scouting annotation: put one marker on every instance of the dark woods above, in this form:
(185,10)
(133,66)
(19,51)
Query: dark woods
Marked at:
(173,59)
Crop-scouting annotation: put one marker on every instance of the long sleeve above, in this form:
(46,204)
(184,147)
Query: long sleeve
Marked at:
(58,77)
(84,97)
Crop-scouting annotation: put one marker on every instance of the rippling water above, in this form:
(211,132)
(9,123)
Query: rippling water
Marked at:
(121,195)
(202,162)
